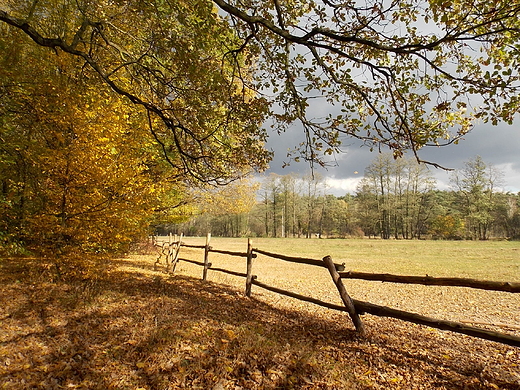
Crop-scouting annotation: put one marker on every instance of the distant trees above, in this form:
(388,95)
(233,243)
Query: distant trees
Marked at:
(400,191)
(475,187)
(223,211)
(288,206)
(508,215)
(230,207)
(285,209)
(395,199)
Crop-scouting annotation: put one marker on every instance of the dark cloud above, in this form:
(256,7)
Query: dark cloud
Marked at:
(497,145)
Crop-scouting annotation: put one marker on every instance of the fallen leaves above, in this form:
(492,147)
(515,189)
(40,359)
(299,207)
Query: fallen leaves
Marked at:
(135,333)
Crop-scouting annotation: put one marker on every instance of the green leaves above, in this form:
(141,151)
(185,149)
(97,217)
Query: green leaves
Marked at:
(393,63)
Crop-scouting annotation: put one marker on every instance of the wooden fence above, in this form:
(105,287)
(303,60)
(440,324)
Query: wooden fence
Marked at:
(171,249)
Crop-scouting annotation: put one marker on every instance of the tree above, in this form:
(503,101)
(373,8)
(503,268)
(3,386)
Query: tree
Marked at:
(400,190)
(334,217)
(403,74)
(231,204)
(269,195)
(378,177)
(509,215)
(174,59)
(447,227)
(289,193)
(416,199)
(78,168)
(476,185)
(367,209)
(310,205)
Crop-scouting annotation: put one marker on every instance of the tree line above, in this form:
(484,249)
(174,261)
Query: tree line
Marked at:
(396,198)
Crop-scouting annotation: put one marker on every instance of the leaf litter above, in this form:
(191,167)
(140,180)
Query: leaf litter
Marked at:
(130,327)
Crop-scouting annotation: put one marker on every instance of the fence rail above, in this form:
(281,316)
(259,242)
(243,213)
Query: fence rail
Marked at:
(431,281)
(299,260)
(353,307)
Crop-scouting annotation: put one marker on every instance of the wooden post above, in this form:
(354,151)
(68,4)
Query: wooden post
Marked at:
(249,277)
(175,252)
(206,257)
(158,261)
(344,295)
(167,252)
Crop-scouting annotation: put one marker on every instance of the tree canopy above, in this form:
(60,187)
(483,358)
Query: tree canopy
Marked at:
(84,167)
(171,58)
(404,74)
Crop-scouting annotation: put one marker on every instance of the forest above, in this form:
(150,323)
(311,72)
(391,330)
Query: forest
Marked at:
(395,199)
(85,169)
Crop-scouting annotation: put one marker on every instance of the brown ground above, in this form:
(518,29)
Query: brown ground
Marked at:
(135,328)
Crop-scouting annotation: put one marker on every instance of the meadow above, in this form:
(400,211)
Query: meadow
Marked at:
(484,260)
(492,260)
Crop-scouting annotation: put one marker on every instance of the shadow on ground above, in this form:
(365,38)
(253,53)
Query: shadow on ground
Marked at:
(133,328)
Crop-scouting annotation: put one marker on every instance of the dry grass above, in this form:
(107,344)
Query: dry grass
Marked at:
(477,259)
(484,260)
(134,328)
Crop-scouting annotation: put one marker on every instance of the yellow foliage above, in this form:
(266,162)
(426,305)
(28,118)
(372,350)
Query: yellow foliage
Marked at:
(78,165)
(236,198)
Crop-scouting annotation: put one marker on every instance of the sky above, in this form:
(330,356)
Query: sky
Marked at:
(497,145)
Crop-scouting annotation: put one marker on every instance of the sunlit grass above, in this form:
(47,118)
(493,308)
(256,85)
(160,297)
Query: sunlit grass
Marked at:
(499,261)
(495,260)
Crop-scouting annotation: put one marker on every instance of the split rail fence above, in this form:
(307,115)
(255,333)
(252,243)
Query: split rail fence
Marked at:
(171,250)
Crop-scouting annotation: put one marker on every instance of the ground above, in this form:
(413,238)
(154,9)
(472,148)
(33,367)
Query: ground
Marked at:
(133,327)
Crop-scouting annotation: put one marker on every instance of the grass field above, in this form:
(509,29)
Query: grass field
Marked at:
(499,261)
(493,260)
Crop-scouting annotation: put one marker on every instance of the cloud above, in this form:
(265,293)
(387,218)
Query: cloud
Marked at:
(511,176)
(340,187)
(497,145)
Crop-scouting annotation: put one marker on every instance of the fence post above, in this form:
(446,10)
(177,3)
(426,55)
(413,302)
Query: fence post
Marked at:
(206,257)
(344,295)
(168,252)
(249,277)
(175,252)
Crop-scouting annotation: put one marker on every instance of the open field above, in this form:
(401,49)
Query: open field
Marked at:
(481,260)
(498,260)
(131,327)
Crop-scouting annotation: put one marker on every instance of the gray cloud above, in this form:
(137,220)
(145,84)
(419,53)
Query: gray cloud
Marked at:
(497,145)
